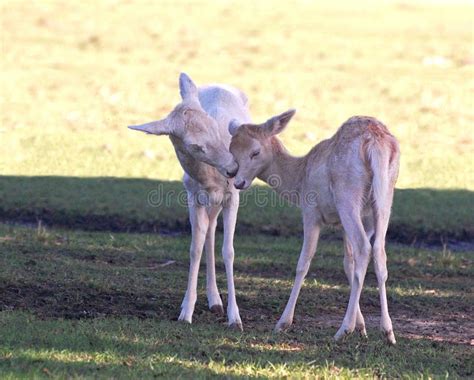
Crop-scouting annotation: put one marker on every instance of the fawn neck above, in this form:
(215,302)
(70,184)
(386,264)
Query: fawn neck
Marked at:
(285,173)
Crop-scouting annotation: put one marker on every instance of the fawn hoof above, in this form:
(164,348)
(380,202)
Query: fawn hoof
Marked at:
(362,331)
(282,326)
(390,336)
(341,333)
(237,326)
(217,309)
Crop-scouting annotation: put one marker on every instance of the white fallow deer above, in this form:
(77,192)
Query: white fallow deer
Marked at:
(197,128)
(347,179)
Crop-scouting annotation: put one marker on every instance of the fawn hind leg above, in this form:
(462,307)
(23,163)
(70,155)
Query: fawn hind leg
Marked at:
(350,215)
(349,270)
(382,216)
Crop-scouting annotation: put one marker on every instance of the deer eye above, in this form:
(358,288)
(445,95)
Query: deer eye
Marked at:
(196,148)
(254,154)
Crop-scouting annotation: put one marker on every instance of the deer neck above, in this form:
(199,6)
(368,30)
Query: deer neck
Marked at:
(285,173)
(207,176)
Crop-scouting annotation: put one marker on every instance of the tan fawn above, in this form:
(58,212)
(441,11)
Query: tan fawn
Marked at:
(197,128)
(347,179)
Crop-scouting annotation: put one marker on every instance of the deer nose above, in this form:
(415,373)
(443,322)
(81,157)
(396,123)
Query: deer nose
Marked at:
(239,185)
(232,173)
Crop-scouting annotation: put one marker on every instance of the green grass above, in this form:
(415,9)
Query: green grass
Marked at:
(84,304)
(73,76)
(134,348)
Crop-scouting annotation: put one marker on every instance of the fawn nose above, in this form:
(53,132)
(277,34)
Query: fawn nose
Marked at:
(239,185)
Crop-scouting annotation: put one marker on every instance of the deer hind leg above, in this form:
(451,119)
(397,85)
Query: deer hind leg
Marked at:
(213,297)
(349,270)
(382,217)
(360,245)
(311,235)
(199,224)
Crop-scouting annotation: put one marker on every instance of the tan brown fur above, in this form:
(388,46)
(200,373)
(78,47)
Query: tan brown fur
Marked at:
(348,179)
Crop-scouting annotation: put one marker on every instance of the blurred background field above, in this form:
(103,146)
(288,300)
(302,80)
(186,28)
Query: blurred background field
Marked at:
(75,74)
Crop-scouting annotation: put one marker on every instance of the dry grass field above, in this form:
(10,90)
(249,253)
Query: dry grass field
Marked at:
(75,74)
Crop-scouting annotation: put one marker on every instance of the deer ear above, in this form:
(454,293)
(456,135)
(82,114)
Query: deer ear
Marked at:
(187,88)
(278,123)
(234,126)
(160,127)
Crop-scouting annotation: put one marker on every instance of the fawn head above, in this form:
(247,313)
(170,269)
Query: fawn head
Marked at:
(251,146)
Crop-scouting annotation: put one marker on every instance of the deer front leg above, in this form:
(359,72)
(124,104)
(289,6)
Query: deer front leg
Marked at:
(311,235)
(199,224)
(213,297)
(231,208)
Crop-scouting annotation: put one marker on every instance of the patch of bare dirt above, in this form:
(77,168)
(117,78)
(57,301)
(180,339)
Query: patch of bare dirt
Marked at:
(455,328)
(77,301)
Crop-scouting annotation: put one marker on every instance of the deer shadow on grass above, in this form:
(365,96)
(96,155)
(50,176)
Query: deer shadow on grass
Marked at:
(434,216)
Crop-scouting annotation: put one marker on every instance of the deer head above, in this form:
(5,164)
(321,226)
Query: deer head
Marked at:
(193,132)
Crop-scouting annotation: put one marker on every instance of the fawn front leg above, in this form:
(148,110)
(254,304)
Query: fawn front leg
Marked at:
(199,224)
(311,235)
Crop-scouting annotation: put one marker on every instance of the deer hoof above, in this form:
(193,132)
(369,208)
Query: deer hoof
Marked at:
(283,326)
(236,326)
(390,336)
(217,309)
(184,316)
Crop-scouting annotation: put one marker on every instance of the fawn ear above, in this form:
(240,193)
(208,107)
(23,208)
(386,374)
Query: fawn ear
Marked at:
(278,123)
(234,126)
(160,127)
(187,88)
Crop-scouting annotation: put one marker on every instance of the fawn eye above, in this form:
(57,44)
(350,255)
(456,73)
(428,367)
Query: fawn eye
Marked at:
(254,154)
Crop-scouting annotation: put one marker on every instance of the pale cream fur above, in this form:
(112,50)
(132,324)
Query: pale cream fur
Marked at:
(197,128)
